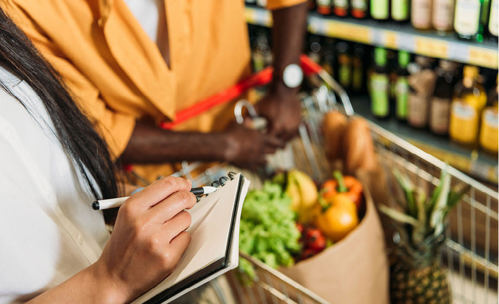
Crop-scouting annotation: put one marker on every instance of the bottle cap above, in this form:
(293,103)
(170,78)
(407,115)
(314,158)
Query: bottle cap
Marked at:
(404,58)
(380,56)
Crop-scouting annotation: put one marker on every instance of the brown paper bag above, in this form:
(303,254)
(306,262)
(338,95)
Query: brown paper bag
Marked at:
(352,271)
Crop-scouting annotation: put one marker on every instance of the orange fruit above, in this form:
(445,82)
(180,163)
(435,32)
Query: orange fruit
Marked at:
(339,219)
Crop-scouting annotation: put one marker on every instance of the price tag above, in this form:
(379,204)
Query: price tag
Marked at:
(483,57)
(431,47)
(390,39)
(348,31)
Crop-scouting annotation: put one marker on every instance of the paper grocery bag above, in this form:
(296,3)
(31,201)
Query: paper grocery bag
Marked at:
(352,271)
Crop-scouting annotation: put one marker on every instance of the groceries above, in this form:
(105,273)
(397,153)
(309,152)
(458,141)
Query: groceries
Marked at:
(290,219)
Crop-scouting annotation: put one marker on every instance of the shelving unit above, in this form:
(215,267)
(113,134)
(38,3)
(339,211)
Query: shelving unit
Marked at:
(473,162)
(394,36)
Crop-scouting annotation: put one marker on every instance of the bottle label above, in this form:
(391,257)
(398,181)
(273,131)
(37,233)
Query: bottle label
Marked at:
(439,115)
(467,17)
(379,9)
(324,2)
(357,78)
(359,4)
(463,123)
(344,75)
(421,14)
(418,110)
(400,10)
(379,95)
(442,14)
(341,3)
(402,97)
(493,26)
(488,132)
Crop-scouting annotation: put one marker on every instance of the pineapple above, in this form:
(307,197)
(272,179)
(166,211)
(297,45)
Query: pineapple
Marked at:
(416,275)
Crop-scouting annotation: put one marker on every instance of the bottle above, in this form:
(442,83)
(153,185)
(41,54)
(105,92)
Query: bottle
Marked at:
(421,84)
(358,69)
(329,57)
(379,9)
(380,104)
(493,25)
(443,15)
(400,10)
(469,100)
(344,64)
(358,9)
(490,121)
(262,56)
(314,48)
(340,8)
(402,86)
(467,18)
(324,7)
(442,97)
(421,14)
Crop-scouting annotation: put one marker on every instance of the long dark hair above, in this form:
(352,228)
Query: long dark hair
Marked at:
(73,129)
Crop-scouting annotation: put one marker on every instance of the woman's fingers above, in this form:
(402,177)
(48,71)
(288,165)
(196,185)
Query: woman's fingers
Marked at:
(177,247)
(158,191)
(170,207)
(175,226)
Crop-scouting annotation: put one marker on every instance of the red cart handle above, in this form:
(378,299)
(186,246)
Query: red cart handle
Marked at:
(261,78)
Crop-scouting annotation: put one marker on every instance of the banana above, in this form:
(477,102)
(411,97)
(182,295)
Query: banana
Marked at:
(308,190)
(294,193)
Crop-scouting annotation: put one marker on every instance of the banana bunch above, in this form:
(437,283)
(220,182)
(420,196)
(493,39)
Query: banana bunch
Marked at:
(304,195)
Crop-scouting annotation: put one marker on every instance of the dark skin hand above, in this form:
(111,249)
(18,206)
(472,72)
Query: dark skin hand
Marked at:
(281,105)
(238,145)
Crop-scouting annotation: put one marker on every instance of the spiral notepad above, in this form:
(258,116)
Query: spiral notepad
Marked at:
(214,242)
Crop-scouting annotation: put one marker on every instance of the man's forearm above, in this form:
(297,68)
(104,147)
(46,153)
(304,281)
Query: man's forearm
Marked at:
(150,144)
(287,38)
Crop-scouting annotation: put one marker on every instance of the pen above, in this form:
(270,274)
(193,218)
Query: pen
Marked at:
(116,202)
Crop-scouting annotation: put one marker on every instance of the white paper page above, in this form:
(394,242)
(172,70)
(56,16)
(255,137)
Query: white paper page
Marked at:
(211,219)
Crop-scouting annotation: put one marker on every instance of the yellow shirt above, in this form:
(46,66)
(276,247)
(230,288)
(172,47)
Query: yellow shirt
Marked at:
(117,73)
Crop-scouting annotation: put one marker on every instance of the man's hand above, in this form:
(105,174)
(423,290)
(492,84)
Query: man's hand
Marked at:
(283,112)
(248,148)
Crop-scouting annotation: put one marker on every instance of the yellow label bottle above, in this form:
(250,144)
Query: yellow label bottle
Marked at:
(466,108)
(490,123)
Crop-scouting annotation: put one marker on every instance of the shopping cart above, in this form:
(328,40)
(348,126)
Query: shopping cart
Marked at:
(471,248)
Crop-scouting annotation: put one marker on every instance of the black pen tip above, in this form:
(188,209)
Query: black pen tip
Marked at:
(96,205)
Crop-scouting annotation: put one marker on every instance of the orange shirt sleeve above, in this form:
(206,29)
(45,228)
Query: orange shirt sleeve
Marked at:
(115,128)
(276,4)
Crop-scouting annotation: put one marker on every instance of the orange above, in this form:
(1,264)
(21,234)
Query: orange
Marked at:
(339,219)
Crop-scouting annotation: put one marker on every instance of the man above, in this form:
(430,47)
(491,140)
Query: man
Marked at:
(132,64)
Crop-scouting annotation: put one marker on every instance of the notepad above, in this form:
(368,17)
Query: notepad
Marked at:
(214,246)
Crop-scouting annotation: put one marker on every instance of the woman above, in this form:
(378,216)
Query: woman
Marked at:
(54,248)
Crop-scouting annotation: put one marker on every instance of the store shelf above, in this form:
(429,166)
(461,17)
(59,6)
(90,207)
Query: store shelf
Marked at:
(394,36)
(476,163)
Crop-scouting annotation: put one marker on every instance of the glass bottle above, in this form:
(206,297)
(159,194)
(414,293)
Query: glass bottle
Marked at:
(421,14)
(344,64)
(490,121)
(400,10)
(493,25)
(467,18)
(379,88)
(442,97)
(324,7)
(379,9)
(402,86)
(469,100)
(359,9)
(443,15)
(340,8)
(421,84)
(358,69)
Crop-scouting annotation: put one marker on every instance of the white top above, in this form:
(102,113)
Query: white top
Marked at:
(147,14)
(48,231)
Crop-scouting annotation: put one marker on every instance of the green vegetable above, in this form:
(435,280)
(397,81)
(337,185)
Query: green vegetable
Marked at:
(268,231)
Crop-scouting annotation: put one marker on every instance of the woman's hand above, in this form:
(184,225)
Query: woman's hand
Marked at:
(148,239)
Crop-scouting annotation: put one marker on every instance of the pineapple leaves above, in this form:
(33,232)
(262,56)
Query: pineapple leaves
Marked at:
(408,189)
(441,203)
(398,216)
